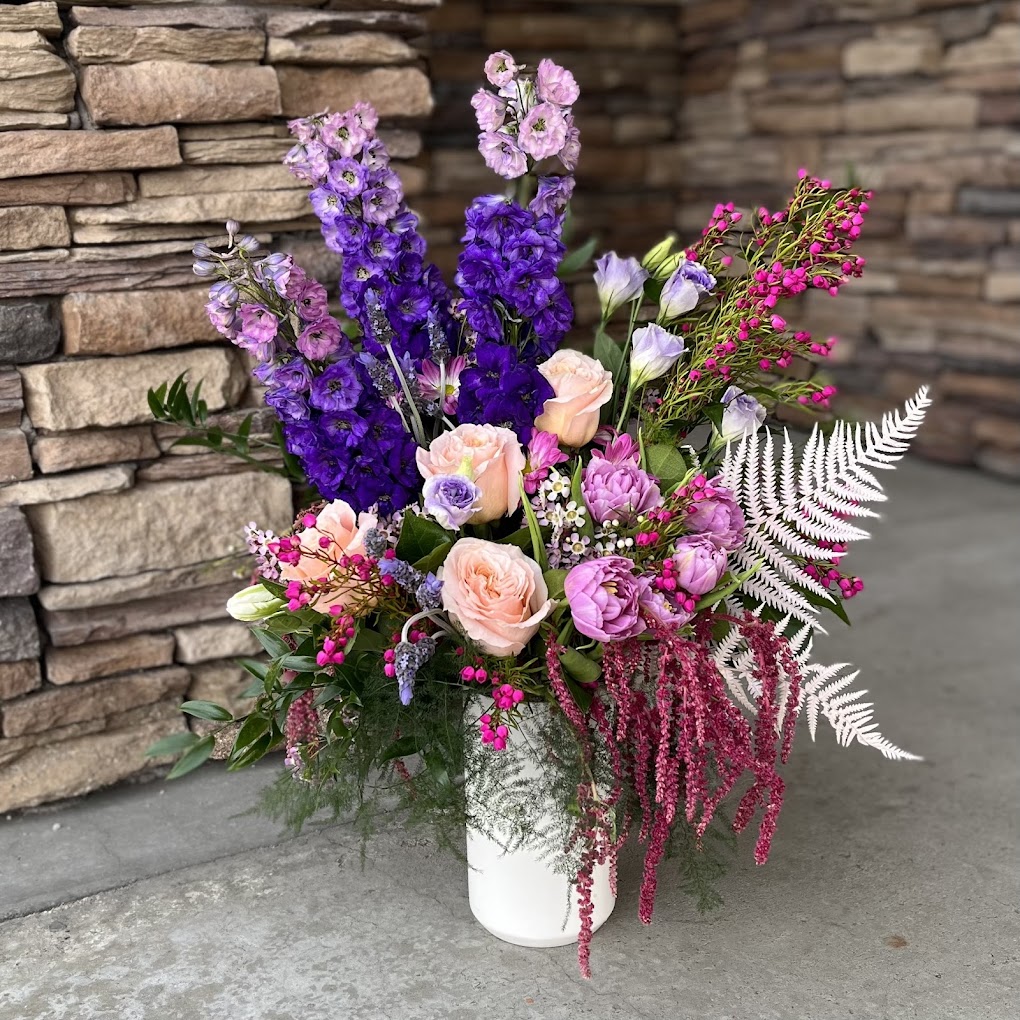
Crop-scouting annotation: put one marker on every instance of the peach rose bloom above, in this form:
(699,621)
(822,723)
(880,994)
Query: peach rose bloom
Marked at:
(581,386)
(489,455)
(346,531)
(495,594)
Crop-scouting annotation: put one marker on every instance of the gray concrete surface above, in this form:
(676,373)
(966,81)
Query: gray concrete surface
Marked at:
(892,891)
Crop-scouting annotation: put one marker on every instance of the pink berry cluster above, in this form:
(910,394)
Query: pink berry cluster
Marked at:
(333,647)
(829,576)
(496,736)
(666,581)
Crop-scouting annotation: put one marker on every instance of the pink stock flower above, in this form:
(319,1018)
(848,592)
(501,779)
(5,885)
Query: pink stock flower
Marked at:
(556,84)
(501,68)
(502,155)
(490,110)
(543,132)
(543,453)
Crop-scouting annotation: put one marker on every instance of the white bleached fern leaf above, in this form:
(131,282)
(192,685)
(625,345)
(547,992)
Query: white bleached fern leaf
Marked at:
(791,509)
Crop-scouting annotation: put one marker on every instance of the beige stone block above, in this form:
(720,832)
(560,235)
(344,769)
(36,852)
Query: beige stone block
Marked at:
(998,431)
(19,120)
(999,48)
(215,179)
(160,15)
(67,451)
(223,684)
(52,708)
(248,206)
(1003,286)
(23,227)
(206,641)
(68,189)
(216,151)
(394,92)
(29,153)
(157,91)
(290,22)
(36,80)
(201,465)
(159,526)
(82,393)
(971,230)
(998,390)
(74,485)
(914,51)
(19,678)
(130,321)
(37,16)
(105,658)
(109,44)
(373,48)
(28,40)
(912,110)
(15,462)
(82,764)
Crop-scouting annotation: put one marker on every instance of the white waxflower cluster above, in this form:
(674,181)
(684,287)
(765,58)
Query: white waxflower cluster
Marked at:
(566,517)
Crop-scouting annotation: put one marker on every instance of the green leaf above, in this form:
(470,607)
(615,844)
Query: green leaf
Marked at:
(193,757)
(537,544)
(256,668)
(521,539)
(582,695)
(835,606)
(400,748)
(577,495)
(418,537)
(435,559)
(207,710)
(609,352)
(251,754)
(666,463)
(271,643)
(579,666)
(576,260)
(300,663)
(176,743)
(251,730)
(554,582)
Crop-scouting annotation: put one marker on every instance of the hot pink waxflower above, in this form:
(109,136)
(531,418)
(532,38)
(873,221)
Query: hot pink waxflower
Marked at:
(543,132)
(556,84)
(490,110)
(430,378)
(543,453)
(606,599)
(501,68)
(502,155)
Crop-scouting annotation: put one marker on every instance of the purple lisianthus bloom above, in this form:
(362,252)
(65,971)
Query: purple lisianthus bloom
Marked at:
(698,563)
(682,291)
(543,132)
(556,84)
(552,196)
(452,500)
(742,414)
(719,516)
(618,281)
(502,155)
(338,388)
(618,491)
(347,177)
(654,351)
(500,68)
(320,339)
(606,599)
(490,110)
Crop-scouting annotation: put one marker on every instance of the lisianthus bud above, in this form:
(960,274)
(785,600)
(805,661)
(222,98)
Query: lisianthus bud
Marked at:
(669,265)
(253,603)
(655,257)
(742,415)
(654,351)
(618,281)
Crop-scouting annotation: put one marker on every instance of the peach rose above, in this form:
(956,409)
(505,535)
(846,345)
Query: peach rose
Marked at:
(495,594)
(490,456)
(581,386)
(346,532)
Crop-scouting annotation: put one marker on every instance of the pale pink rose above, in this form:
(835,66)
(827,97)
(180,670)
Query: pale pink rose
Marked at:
(338,522)
(489,455)
(581,386)
(495,594)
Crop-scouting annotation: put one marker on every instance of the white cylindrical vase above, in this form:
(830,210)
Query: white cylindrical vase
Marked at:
(519,895)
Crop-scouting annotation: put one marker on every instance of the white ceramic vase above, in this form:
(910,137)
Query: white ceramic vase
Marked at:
(519,896)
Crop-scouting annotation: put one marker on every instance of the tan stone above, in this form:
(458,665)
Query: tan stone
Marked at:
(74,485)
(15,462)
(238,16)
(156,91)
(21,119)
(914,51)
(910,110)
(65,451)
(394,92)
(29,153)
(163,525)
(201,465)
(25,41)
(239,129)
(998,431)
(105,658)
(36,80)
(976,230)
(1001,47)
(108,44)
(68,189)
(353,48)
(19,678)
(11,404)
(236,150)
(126,322)
(249,206)
(82,764)
(986,390)
(50,708)
(102,235)
(37,16)
(1003,286)
(73,395)
(964,318)
(222,179)
(234,570)
(206,641)
(222,683)
(290,22)
(23,227)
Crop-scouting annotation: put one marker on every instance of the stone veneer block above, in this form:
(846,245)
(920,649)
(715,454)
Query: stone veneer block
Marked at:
(15,462)
(194,180)
(29,153)
(222,683)
(251,206)
(910,111)
(372,48)
(104,658)
(69,450)
(18,678)
(132,321)
(37,16)
(109,44)
(68,189)
(23,227)
(51,708)
(394,92)
(157,91)
(206,641)
(19,633)
(74,485)
(35,79)
(240,16)
(18,575)
(29,330)
(162,525)
(101,391)
(291,22)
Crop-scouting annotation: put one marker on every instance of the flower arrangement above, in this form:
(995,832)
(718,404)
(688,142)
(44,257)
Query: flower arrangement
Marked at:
(498,522)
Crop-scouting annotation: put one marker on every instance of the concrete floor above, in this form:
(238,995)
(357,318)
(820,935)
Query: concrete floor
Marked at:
(892,891)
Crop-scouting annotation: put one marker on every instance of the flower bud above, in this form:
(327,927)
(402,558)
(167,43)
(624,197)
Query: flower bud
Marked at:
(670,265)
(253,603)
(203,267)
(201,250)
(655,257)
